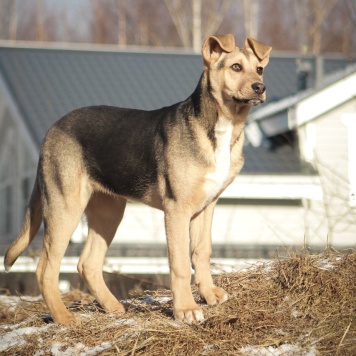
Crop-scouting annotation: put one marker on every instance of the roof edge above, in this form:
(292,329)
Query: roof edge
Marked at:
(306,110)
(86,46)
(95,47)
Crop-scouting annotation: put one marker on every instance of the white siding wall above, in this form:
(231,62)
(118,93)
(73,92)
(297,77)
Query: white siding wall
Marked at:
(232,224)
(335,217)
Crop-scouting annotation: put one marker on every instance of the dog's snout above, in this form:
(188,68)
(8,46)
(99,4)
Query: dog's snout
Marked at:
(259,88)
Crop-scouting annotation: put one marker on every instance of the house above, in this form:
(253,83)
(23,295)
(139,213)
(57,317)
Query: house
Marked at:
(324,117)
(262,209)
(326,122)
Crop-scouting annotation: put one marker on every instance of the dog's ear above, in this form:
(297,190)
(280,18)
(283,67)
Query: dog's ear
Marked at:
(214,45)
(260,50)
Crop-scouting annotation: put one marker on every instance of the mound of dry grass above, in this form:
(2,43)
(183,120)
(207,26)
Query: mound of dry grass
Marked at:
(291,306)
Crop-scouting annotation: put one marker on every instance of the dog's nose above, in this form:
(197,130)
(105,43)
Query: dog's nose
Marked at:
(259,88)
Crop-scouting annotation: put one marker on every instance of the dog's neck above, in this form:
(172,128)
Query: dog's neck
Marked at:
(209,106)
(203,100)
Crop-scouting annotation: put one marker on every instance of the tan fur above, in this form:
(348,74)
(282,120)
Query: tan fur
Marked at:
(195,177)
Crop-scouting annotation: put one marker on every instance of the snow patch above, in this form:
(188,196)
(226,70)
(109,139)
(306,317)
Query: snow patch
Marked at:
(128,322)
(78,349)
(16,337)
(11,302)
(283,350)
(326,265)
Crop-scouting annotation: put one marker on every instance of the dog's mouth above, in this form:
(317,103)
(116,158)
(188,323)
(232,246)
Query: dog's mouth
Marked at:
(252,101)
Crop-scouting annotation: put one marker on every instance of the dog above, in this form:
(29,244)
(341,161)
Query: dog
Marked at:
(178,159)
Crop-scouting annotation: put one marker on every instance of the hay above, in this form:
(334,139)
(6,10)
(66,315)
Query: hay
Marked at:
(292,306)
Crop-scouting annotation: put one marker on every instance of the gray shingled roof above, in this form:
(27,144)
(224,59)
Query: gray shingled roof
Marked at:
(284,160)
(48,83)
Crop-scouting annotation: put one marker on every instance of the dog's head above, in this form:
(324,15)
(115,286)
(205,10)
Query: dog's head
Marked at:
(236,73)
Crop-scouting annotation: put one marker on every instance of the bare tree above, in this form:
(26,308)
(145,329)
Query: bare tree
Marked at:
(217,16)
(99,22)
(197,38)
(185,16)
(321,9)
(40,29)
(306,26)
(13,20)
(251,12)
(144,12)
(121,18)
(176,10)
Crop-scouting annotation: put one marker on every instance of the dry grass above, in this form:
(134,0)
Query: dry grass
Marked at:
(305,300)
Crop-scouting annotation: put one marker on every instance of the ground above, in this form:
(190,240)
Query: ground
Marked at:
(300,305)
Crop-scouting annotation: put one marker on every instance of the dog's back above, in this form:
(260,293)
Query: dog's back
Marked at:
(119,147)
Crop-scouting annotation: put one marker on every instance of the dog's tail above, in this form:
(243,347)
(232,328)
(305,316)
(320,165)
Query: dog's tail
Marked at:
(30,226)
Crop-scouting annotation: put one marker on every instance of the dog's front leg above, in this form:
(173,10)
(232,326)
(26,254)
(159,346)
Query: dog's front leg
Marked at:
(200,240)
(177,230)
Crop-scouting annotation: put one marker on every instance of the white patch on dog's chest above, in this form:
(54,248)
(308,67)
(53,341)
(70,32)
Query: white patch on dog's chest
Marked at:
(215,180)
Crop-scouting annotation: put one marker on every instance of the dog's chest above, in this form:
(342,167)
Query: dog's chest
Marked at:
(215,180)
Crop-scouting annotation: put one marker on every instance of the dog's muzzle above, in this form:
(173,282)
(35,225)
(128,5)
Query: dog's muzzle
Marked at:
(259,88)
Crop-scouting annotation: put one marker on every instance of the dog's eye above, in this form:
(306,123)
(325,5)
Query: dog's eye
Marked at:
(236,67)
(260,70)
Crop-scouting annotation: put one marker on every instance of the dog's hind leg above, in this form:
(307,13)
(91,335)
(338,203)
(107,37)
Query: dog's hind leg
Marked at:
(200,247)
(104,214)
(61,217)
(66,191)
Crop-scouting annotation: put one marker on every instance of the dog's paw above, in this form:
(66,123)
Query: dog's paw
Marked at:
(68,320)
(214,295)
(115,307)
(189,316)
